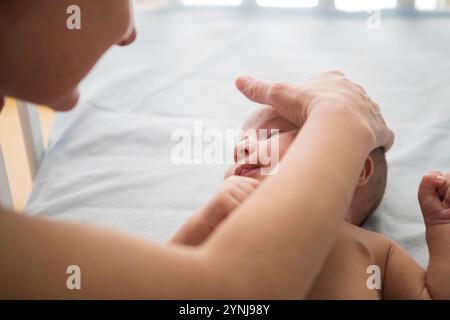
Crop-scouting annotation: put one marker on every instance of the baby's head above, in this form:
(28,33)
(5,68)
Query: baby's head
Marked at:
(372,179)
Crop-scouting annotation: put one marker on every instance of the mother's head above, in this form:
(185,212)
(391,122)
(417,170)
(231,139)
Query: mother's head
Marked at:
(42,61)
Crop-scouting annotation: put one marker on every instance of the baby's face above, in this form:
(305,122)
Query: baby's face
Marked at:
(257,153)
(253,151)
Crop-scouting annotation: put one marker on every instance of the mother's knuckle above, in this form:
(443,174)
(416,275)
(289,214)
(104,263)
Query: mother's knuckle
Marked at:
(336,72)
(277,90)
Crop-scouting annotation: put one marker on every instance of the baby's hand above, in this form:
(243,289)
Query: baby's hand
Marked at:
(434,198)
(232,193)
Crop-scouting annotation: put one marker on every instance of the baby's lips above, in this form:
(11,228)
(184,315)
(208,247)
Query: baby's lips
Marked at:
(243,169)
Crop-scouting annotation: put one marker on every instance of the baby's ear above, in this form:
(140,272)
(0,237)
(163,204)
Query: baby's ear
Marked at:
(366,172)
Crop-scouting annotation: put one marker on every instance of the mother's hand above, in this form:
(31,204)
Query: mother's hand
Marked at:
(330,91)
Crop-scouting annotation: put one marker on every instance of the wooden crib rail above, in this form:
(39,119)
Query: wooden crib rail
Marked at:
(32,134)
(5,192)
(34,147)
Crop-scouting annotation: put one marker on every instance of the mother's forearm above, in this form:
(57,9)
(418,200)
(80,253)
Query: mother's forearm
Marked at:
(277,242)
(273,248)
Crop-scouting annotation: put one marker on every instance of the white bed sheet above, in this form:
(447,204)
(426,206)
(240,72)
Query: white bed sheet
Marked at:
(108,161)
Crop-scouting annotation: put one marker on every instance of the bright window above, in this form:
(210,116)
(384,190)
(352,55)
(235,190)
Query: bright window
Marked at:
(364,5)
(142,5)
(426,5)
(212,2)
(288,3)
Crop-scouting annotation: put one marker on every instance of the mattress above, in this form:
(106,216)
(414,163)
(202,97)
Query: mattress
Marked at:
(109,160)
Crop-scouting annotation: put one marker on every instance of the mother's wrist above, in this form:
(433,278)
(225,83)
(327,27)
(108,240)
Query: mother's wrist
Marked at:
(349,122)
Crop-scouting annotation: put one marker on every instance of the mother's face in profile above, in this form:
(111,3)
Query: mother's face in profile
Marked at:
(42,61)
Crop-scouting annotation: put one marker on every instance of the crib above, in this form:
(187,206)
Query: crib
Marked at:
(34,146)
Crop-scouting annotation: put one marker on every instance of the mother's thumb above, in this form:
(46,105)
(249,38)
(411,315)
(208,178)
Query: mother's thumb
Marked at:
(256,90)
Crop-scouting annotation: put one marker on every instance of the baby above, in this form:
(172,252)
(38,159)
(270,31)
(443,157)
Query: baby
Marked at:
(362,264)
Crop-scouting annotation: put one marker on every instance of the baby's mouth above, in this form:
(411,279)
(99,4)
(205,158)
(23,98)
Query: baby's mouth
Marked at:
(245,169)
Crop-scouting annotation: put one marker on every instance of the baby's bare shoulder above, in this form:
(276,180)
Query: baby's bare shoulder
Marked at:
(345,272)
(374,245)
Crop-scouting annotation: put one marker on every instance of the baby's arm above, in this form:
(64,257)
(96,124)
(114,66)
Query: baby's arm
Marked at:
(434,197)
(404,278)
(233,192)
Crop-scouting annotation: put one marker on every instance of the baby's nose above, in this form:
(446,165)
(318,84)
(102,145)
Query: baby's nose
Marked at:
(243,149)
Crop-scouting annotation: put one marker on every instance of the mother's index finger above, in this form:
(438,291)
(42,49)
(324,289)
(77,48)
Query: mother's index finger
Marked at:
(255,90)
(283,97)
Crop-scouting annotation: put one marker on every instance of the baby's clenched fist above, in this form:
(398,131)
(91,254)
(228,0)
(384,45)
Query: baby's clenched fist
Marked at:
(434,198)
